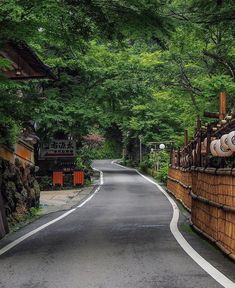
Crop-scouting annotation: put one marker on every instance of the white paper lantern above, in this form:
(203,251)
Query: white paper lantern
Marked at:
(212,148)
(221,151)
(231,140)
(224,141)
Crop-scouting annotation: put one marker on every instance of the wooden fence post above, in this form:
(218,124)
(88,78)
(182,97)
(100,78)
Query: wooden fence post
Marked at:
(178,158)
(171,156)
(185,137)
(190,150)
(208,144)
(222,105)
(199,148)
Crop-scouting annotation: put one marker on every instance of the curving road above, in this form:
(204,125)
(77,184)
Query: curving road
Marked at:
(119,239)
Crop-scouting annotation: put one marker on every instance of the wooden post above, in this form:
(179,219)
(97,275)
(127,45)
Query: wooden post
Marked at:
(208,135)
(193,158)
(198,154)
(178,158)
(183,162)
(199,123)
(185,137)
(211,114)
(190,155)
(171,156)
(222,105)
(174,158)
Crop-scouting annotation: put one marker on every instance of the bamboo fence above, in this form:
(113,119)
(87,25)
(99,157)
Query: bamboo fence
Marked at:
(204,183)
(210,196)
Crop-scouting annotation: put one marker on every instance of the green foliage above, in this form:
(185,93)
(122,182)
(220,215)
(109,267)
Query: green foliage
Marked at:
(111,149)
(164,160)
(157,161)
(130,67)
(45,183)
(80,165)
(21,220)
(4,64)
(87,153)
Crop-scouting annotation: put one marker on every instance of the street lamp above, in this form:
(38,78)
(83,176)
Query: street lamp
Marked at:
(162,146)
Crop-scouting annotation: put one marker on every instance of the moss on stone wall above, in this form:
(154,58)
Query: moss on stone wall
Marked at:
(19,188)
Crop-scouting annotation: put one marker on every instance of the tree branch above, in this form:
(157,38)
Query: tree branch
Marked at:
(223,61)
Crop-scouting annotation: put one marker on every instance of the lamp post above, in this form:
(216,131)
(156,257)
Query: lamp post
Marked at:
(140,138)
(125,144)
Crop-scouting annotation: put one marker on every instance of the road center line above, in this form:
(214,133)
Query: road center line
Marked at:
(203,263)
(29,234)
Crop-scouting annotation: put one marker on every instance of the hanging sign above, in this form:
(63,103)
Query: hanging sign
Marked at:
(58,148)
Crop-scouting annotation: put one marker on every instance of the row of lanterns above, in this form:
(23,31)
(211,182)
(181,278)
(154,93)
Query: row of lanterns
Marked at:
(223,147)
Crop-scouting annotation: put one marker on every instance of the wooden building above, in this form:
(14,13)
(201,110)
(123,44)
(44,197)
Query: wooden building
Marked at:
(24,65)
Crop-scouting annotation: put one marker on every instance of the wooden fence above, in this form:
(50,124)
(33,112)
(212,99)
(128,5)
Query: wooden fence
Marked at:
(210,196)
(205,181)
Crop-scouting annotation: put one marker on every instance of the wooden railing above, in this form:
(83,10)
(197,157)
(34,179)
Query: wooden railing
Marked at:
(197,152)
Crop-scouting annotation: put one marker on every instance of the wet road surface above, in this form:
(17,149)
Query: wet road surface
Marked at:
(119,239)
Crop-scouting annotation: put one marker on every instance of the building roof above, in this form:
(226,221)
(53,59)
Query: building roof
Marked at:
(25,63)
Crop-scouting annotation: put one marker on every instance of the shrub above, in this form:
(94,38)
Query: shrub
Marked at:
(45,182)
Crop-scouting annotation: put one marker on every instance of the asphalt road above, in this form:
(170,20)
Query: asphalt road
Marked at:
(119,239)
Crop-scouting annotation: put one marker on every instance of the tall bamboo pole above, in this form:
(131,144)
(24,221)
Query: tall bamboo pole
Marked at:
(222,105)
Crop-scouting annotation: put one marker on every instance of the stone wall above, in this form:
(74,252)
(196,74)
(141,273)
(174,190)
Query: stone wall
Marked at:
(18,187)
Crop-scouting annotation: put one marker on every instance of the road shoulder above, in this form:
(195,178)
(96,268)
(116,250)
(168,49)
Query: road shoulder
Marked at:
(209,251)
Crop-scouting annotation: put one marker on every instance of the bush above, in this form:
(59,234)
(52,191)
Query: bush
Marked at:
(163,172)
(144,165)
(150,162)
(164,160)
(45,182)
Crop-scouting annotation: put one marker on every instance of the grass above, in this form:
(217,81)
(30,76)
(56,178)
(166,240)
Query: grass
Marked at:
(21,220)
(186,228)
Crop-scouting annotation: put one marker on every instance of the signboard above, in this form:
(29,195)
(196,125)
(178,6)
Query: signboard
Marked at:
(58,149)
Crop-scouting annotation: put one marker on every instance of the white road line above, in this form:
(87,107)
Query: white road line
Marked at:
(203,263)
(29,234)
(101,175)
(89,198)
(22,238)
(101,178)
(113,162)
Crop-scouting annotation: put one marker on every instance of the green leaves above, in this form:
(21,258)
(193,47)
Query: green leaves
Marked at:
(146,66)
